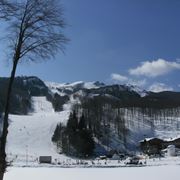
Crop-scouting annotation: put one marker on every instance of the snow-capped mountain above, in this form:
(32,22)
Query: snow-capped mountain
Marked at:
(67,88)
(119,115)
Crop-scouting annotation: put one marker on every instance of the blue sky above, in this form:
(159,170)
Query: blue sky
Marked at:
(115,41)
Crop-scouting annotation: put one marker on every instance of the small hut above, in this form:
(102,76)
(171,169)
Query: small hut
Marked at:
(171,150)
(111,153)
(45,159)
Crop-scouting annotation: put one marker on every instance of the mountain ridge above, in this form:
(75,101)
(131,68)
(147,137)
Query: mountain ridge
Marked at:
(58,93)
(117,116)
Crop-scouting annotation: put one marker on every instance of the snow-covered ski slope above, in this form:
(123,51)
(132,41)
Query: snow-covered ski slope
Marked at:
(32,133)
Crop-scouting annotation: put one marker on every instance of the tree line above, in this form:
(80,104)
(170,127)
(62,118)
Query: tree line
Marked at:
(76,138)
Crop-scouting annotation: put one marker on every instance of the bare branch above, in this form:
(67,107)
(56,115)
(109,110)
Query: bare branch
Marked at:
(7,9)
(35,31)
(37,28)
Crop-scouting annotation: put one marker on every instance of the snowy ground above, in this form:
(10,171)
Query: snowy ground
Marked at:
(31,135)
(136,173)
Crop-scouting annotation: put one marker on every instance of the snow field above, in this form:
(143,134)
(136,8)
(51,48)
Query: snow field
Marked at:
(143,173)
(31,135)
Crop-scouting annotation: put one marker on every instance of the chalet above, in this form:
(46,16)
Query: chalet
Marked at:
(175,142)
(155,145)
(151,146)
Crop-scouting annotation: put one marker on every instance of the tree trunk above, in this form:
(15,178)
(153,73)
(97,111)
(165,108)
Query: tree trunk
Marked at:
(3,163)
(1,175)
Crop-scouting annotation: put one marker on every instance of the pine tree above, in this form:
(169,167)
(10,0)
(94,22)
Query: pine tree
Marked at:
(82,123)
(75,139)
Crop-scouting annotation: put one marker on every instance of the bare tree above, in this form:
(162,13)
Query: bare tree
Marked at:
(35,32)
(6,9)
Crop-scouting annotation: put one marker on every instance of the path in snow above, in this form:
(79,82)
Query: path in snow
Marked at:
(32,134)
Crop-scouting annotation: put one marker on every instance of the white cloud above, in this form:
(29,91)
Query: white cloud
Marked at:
(139,83)
(155,68)
(159,87)
(127,80)
(118,77)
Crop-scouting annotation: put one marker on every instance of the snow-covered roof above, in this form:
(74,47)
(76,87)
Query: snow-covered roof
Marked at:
(172,138)
(171,146)
(147,139)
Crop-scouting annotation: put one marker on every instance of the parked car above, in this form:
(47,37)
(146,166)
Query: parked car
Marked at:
(134,161)
(102,157)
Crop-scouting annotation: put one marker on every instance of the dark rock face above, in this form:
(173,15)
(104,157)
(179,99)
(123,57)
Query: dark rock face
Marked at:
(23,89)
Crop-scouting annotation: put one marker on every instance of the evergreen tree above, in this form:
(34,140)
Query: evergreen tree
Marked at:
(82,123)
(75,139)
(72,124)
